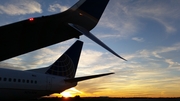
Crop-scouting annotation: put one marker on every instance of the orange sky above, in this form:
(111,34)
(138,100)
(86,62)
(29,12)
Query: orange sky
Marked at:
(145,32)
(107,87)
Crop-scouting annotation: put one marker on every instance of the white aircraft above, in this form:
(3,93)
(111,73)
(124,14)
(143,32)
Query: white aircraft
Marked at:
(35,83)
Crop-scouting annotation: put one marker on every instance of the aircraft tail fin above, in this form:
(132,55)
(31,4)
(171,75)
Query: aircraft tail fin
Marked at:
(67,64)
(85,78)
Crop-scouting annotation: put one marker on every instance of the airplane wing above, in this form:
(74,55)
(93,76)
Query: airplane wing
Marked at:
(35,33)
(94,38)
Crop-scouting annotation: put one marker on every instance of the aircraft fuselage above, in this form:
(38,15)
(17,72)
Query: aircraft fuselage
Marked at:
(16,85)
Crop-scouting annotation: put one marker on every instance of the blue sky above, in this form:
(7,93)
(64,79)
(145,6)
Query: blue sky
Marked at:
(145,32)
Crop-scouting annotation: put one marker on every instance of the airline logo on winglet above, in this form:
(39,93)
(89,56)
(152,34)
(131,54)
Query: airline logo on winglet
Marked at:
(63,67)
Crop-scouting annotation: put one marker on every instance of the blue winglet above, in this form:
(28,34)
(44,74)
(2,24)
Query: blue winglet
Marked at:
(94,8)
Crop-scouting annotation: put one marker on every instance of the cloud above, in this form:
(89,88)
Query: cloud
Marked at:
(21,7)
(141,79)
(88,57)
(169,28)
(40,58)
(138,81)
(122,20)
(57,8)
(163,12)
(138,39)
(161,50)
(172,64)
(147,71)
(142,75)
(162,57)
(117,27)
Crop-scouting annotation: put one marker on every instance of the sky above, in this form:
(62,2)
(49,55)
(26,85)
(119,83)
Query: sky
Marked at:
(145,32)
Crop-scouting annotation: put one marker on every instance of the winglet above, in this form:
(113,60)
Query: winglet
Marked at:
(87,13)
(93,8)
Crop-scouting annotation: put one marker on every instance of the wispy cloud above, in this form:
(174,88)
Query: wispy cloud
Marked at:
(39,58)
(138,39)
(142,75)
(143,82)
(175,47)
(159,11)
(20,7)
(57,8)
(141,79)
(148,72)
(126,20)
(159,52)
(173,64)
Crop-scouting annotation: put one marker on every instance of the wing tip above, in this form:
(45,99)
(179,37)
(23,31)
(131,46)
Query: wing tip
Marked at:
(120,57)
(123,58)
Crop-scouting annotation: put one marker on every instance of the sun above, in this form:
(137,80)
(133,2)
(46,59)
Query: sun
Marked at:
(66,94)
(71,92)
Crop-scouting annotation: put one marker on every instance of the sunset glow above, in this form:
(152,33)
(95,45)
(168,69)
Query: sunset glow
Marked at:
(71,92)
(66,94)
(145,32)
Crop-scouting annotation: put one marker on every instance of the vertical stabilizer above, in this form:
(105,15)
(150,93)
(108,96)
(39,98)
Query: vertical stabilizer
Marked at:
(67,64)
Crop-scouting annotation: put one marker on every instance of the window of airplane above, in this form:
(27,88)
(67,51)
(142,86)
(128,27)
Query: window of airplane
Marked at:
(5,79)
(19,80)
(0,78)
(35,82)
(31,81)
(14,80)
(27,81)
(10,79)
(23,80)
